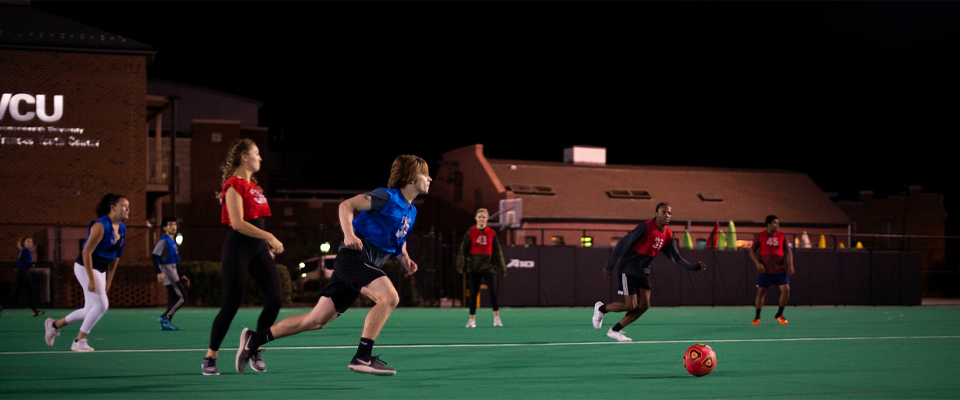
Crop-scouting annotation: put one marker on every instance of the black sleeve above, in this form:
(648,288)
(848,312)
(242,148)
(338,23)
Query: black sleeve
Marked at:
(624,245)
(462,253)
(378,199)
(498,256)
(674,255)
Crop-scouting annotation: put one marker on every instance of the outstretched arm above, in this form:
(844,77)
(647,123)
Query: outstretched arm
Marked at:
(675,256)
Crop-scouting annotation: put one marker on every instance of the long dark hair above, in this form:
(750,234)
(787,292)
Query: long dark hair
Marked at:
(107,202)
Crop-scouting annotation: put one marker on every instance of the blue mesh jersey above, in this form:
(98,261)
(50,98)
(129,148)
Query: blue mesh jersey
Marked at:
(166,250)
(387,223)
(107,250)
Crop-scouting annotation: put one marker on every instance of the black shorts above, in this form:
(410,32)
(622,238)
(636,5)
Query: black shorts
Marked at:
(351,272)
(631,284)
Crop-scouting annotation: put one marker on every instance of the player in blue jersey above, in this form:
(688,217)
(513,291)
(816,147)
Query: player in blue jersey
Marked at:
(375,228)
(25,260)
(95,267)
(166,256)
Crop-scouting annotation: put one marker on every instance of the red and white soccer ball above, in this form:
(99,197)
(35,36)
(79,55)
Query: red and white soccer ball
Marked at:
(699,360)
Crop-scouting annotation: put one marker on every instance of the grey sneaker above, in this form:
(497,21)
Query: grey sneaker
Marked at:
(256,361)
(81,346)
(50,333)
(210,366)
(244,352)
(371,365)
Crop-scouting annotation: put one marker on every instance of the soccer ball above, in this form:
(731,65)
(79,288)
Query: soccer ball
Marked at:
(699,360)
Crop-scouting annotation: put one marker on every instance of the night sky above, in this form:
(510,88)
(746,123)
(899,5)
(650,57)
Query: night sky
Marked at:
(857,95)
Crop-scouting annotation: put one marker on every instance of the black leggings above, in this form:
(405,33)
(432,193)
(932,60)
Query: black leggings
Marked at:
(23,283)
(475,279)
(242,255)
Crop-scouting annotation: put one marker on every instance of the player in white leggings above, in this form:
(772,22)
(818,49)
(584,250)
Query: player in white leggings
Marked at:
(95,304)
(94,269)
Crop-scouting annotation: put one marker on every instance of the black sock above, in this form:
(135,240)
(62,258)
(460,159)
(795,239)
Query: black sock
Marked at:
(617,327)
(779,313)
(758,314)
(261,338)
(603,308)
(365,348)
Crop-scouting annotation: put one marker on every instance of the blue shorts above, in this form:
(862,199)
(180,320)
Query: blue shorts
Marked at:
(765,280)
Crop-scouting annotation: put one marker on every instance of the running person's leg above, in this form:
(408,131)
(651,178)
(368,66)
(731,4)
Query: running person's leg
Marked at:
(636,298)
(352,276)
(382,292)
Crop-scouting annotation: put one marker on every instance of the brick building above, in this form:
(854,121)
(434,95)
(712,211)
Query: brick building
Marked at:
(585,197)
(71,129)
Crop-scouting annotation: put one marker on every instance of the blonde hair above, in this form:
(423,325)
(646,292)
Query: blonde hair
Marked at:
(405,170)
(230,165)
(482,210)
(21,242)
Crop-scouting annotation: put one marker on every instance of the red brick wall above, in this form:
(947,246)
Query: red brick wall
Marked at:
(105,95)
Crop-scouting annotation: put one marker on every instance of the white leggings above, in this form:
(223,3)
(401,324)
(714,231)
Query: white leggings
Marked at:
(94,304)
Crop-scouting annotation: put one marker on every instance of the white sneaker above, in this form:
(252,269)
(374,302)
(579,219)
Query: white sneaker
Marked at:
(497,322)
(81,346)
(471,323)
(597,315)
(618,335)
(50,333)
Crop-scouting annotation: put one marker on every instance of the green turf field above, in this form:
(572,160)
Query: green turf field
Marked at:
(825,352)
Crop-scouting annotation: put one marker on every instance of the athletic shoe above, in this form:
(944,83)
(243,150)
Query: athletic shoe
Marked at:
(38,313)
(210,366)
(371,365)
(256,361)
(755,322)
(471,323)
(165,325)
(244,352)
(782,320)
(497,322)
(597,315)
(50,332)
(81,346)
(618,335)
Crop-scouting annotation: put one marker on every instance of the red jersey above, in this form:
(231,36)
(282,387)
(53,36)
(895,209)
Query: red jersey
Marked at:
(254,202)
(653,239)
(481,242)
(771,250)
